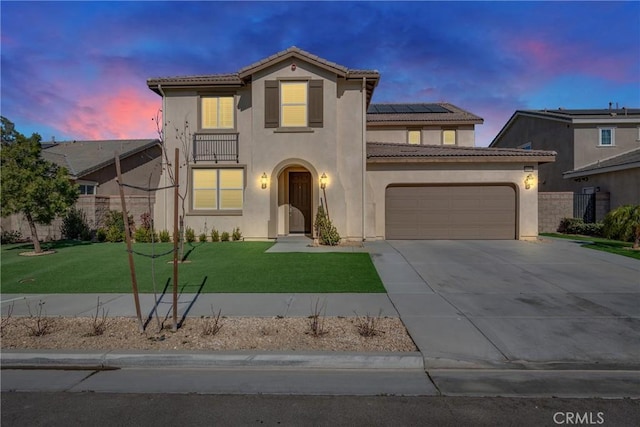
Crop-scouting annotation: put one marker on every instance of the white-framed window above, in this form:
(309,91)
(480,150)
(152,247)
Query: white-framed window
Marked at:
(448,137)
(217,189)
(217,112)
(293,104)
(414,136)
(87,189)
(607,137)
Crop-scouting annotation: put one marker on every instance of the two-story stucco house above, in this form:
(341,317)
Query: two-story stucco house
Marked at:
(598,150)
(267,145)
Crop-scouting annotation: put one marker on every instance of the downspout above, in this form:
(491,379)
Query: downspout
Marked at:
(164,175)
(364,156)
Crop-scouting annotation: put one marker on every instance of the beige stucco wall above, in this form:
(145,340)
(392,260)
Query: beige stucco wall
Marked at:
(430,135)
(587,138)
(335,149)
(624,186)
(380,176)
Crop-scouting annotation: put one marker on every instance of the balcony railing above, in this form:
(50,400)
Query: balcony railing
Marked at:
(218,147)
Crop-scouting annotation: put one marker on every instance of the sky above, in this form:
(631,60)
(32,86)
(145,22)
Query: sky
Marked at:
(78,70)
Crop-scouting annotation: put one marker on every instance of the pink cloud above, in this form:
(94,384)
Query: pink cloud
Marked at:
(124,113)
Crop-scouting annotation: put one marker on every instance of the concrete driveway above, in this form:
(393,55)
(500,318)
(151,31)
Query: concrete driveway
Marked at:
(548,304)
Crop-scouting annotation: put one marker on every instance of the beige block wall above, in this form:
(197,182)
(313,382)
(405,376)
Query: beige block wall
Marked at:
(552,208)
(380,176)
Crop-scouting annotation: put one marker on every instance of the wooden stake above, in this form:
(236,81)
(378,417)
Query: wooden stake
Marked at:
(175,241)
(127,233)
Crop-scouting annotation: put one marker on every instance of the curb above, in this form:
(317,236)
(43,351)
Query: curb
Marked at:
(295,360)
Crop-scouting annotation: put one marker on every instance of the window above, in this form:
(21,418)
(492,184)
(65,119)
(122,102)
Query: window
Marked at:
(526,146)
(607,137)
(449,137)
(218,189)
(217,112)
(293,96)
(413,137)
(296,105)
(87,189)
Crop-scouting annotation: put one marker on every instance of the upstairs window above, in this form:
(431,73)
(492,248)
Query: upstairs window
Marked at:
(413,137)
(293,104)
(607,137)
(217,112)
(218,189)
(87,189)
(448,137)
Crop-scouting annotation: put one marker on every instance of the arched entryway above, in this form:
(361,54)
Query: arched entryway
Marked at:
(295,197)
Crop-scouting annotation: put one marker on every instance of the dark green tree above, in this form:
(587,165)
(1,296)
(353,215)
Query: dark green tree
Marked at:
(31,185)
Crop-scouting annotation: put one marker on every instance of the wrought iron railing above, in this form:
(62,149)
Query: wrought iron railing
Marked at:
(218,147)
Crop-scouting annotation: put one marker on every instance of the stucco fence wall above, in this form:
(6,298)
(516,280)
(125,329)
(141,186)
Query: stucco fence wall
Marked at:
(552,207)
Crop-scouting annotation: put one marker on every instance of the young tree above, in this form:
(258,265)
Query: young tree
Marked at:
(32,186)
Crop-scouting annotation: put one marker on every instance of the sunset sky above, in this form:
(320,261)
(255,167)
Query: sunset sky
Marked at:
(78,70)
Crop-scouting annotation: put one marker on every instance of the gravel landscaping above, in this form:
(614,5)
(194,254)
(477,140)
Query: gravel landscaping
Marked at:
(236,333)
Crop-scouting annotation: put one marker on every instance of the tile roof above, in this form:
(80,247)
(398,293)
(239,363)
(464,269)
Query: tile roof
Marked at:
(83,157)
(628,160)
(592,113)
(385,151)
(238,78)
(451,114)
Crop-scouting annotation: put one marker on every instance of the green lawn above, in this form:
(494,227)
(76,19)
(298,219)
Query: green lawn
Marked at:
(215,267)
(613,246)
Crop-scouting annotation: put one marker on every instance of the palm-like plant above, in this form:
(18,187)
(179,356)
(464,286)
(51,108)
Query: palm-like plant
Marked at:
(623,223)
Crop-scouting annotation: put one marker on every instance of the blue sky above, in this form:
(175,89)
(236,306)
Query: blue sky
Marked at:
(78,70)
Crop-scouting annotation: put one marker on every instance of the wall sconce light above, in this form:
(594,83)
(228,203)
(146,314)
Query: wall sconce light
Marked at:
(263,180)
(529,181)
(323,181)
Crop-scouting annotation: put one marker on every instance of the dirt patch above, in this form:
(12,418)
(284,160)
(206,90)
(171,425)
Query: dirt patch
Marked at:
(237,333)
(32,253)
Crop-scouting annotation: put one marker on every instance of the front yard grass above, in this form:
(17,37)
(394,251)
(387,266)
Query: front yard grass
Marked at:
(612,246)
(79,267)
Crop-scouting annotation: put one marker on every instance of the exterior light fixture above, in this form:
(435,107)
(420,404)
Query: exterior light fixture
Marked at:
(323,181)
(263,180)
(529,181)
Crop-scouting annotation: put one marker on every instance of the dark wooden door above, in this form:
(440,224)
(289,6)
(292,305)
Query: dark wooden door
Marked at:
(299,202)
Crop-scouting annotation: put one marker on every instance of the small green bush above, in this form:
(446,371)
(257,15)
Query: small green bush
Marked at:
(202,237)
(224,236)
(236,234)
(215,235)
(623,223)
(10,236)
(101,234)
(164,236)
(190,235)
(325,230)
(578,226)
(114,225)
(74,225)
(144,235)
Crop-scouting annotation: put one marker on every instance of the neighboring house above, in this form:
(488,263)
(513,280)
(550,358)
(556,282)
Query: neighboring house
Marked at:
(598,149)
(266,144)
(91,165)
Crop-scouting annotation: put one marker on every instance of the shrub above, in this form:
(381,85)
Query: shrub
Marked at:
(10,236)
(101,234)
(215,235)
(74,225)
(578,226)
(190,235)
(623,223)
(202,237)
(236,234)
(165,236)
(325,230)
(114,225)
(144,235)
(224,236)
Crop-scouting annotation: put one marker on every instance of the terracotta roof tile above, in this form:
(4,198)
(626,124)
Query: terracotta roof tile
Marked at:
(622,161)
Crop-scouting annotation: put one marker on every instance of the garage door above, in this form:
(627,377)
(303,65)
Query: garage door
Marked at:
(450,212)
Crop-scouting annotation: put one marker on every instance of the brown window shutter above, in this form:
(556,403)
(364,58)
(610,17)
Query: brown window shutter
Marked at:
(315,103)
(271,104)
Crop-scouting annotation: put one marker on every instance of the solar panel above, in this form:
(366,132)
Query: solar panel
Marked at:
(406,109)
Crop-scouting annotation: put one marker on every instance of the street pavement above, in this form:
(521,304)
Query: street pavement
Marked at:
(490,318)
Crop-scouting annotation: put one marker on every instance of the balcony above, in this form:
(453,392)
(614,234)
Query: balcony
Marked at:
(217,147)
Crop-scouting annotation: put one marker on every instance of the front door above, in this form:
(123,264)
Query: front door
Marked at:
(299,202)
